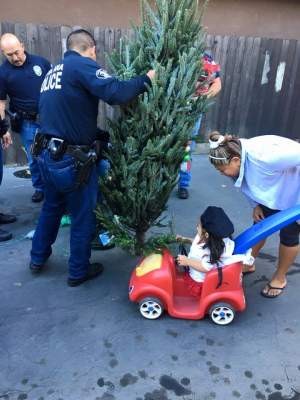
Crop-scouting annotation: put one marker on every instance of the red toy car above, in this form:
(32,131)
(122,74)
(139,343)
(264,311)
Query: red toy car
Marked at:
(157,285)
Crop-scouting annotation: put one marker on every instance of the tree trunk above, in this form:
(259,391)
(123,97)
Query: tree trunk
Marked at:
(140,240)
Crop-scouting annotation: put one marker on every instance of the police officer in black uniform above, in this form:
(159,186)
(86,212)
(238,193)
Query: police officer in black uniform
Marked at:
(21,76)
(68,115)
(5,141)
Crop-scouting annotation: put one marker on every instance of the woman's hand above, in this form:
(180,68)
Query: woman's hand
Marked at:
(258,214)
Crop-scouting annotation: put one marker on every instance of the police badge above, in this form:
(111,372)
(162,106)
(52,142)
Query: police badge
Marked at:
(102,74)
(37,70)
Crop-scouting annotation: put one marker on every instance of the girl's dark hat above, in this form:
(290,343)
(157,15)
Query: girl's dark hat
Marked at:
(216,222)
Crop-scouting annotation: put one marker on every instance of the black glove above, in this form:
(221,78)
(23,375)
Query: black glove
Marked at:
(4,126)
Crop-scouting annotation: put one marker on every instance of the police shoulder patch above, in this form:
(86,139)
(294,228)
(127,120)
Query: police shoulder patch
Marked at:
(102,74)
(37,70)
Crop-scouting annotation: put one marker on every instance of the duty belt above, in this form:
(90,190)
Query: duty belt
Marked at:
(58,147)
(31,116)
(85,156)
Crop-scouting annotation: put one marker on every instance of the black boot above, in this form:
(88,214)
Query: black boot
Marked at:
(4,235)
(183,193)
(93,271)
(7,218)
(35,268)
(37,196)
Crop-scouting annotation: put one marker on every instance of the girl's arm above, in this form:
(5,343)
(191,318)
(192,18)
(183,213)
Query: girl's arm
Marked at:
(191,262)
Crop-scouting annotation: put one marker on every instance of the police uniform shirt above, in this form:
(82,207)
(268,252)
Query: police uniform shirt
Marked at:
(23,83)
(70,95)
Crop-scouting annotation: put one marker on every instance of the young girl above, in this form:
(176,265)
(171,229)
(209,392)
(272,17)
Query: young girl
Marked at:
(212,247)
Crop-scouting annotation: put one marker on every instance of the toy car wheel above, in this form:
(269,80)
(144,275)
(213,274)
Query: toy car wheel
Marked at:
(151,308)
(222,313)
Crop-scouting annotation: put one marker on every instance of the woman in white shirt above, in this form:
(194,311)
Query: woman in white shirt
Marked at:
(267,170)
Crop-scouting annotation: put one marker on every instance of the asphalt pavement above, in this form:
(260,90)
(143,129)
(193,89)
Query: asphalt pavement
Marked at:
(90,342)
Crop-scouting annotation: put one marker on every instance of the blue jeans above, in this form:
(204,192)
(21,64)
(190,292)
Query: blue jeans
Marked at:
(1,163)
(185,175)
(61,195)
(27,133)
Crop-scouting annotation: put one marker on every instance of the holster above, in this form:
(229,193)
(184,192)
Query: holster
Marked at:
(39,143)
(18,116)
(84,162)
(85,156)
(16,121)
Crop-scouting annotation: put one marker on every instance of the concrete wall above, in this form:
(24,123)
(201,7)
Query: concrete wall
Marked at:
(265,18)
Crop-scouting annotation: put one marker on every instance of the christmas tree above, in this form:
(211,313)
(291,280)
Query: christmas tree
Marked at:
(149,137)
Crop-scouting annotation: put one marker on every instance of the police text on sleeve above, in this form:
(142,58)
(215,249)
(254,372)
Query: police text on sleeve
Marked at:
(53,79)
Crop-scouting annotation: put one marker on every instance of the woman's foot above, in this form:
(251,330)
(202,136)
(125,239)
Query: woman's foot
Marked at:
(273,289)
(248,269)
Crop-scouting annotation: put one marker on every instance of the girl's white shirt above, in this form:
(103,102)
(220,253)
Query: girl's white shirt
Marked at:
(199,253)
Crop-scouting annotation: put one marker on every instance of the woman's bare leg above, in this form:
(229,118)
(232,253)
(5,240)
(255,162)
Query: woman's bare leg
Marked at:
(286,257)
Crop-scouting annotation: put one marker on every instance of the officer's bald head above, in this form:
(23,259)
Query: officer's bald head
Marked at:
(12,49)
(80,40)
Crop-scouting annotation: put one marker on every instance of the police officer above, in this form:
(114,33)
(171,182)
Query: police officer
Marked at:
(5,141)
(21,76)
(68,115)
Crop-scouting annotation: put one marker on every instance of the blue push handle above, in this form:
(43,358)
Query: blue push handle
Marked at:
(265,228)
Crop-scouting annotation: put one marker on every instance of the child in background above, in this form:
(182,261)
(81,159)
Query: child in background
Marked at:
(212,247)
(209,85)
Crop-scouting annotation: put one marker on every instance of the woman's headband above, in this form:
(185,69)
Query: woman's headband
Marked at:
(217,158)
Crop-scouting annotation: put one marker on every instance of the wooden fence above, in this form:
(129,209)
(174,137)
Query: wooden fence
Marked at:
(260,77)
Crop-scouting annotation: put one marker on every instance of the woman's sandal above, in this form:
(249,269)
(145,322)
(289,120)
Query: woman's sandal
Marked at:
(269,287)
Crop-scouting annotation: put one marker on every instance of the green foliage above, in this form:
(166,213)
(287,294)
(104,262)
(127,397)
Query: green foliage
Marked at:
(126,238)
(149,137)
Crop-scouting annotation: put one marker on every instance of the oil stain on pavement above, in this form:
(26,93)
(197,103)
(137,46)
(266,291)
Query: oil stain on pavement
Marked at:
(128,379)
(173,385)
